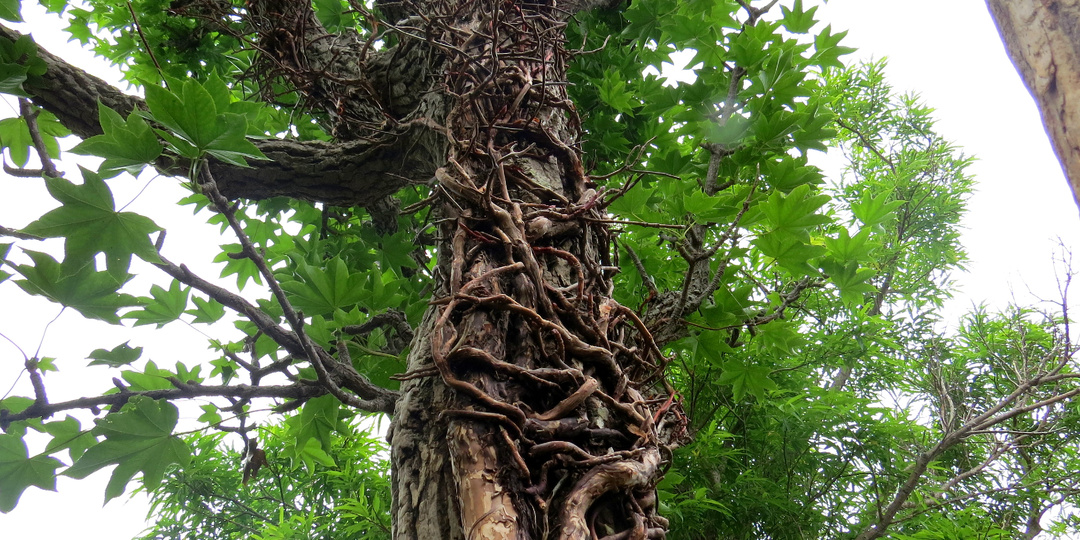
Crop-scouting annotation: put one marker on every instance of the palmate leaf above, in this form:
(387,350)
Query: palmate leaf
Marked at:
(871,210)
(200,120)
(797,20)
(126,146)
(68,433)
(850,279)
(15,135)
(18,471)
(790,251)
(206,311)
(828,50)
(318,419)
(138,438)
(164,306)
(747,379)
(322,290)
(851,248)
(92,293)
(796,211)
(90,225)
(149,378)
(120,355)
(244,269)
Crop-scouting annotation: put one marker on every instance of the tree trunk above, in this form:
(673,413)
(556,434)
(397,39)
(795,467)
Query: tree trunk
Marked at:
(1043,39)
(534,405)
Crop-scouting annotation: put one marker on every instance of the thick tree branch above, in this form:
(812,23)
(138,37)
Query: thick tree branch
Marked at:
(343,174)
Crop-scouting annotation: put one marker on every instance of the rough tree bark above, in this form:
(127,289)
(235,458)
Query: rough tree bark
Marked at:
(1043,39)
(534,405)
(539,422)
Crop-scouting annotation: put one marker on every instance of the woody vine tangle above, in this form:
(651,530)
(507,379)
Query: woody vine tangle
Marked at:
(579,393)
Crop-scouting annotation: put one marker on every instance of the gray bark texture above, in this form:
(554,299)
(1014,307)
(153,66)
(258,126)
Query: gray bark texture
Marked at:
(1043,39)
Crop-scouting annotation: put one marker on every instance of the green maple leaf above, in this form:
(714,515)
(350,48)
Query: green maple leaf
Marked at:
(790,251)
(318,420)
(68,433)
(137,439)
(747,379)
(18,471)
(92,293)
(322,290)
(201,119)
(797,20)
(795,211)
(206,311)
(164,306)
(126,146)
(120,355)
(828,48)
(90,224)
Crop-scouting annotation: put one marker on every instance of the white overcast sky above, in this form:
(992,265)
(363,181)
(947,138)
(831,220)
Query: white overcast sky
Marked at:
(948,51)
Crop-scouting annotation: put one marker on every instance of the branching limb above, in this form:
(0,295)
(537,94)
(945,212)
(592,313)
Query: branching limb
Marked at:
(390,319)
(373,398)
(342,174)
(30,114)
(640,267)
(1009,407)
(332,374)
(299,391)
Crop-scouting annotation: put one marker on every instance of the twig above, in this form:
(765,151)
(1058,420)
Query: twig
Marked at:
(30,115)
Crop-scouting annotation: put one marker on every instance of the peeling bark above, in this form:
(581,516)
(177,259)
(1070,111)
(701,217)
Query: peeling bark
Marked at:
(423,484)
(1043,39)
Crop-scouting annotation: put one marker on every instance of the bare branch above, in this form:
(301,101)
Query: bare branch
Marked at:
(299,391)
(373,398)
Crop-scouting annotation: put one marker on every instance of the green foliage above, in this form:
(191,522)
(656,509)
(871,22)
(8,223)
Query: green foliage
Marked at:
(18,471)
(15,137)
(138,438)
(90,224)
(203,119)
(92,293)
(288,499)
(120,355)
(804,372)
(127,146)
(19,62)
(163,307)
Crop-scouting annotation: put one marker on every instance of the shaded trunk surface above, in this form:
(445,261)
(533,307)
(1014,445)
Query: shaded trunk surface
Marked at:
(534,404)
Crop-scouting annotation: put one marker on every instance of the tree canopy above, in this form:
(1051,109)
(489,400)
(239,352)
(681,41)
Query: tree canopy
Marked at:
(595,302)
